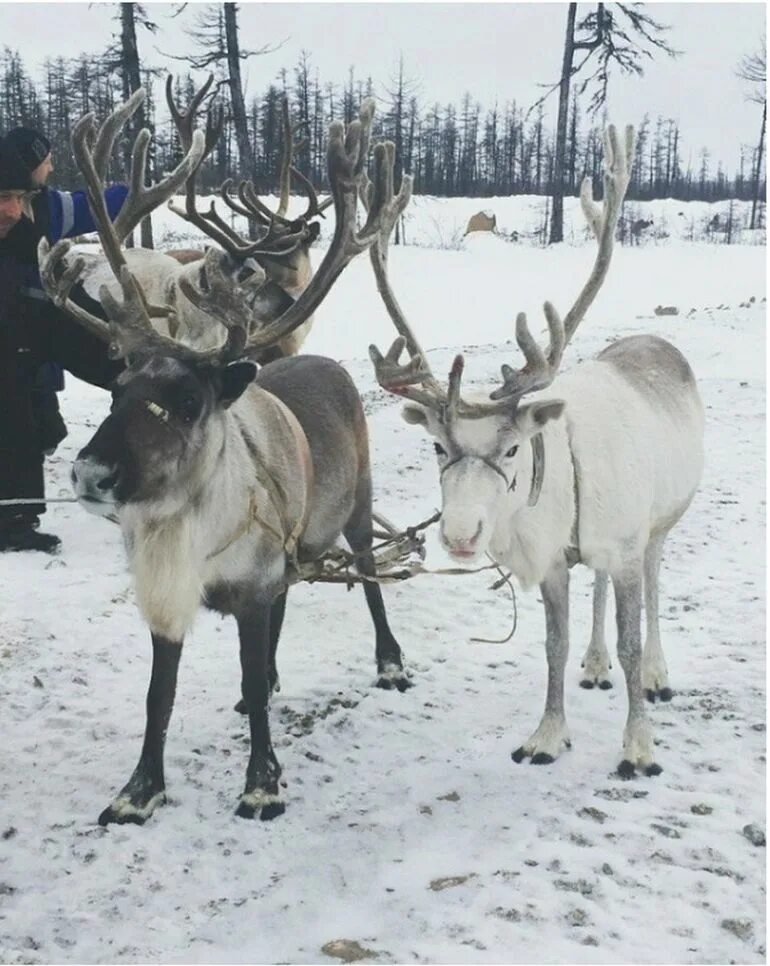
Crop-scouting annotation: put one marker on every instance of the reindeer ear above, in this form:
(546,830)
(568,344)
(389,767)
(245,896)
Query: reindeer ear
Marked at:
(235,378)
(530,419)
(414,414)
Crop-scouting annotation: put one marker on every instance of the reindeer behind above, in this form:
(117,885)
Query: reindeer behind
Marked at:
(282,247)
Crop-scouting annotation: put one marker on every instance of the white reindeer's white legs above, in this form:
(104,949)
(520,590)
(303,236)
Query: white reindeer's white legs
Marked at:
(637,737)
(545,745)
(596,660)
(654,670)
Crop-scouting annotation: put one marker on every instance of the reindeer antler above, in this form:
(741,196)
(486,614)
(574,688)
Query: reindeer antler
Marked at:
(130,326)
(280,236)
(347,154)
(541,367)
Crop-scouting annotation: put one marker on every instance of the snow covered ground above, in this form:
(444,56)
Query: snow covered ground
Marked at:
(409,831)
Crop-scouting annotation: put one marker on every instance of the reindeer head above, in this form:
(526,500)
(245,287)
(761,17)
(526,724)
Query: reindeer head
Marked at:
(164,434)
(489,460)
(491,454)
(170,405)
(279,245)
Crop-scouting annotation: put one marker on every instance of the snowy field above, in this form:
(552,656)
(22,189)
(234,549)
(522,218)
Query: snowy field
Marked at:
(410,835)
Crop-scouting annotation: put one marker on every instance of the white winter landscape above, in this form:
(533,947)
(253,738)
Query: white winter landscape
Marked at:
(410,835)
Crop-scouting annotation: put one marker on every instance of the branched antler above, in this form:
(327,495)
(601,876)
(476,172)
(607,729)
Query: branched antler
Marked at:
(414,379)
(279,236)
(541,368)
(130,327)
(347,154)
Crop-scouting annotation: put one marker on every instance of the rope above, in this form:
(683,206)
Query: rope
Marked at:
(504,579)
(39,499)
(334,566)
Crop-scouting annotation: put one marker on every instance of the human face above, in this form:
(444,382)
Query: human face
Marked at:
(42,172)
(11,210)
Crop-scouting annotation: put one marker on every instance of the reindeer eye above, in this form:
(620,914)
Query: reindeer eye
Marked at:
(440,451)
(512,452)
(188,408)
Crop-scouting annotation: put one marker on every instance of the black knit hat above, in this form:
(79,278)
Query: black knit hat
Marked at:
(31,146)
(14,175)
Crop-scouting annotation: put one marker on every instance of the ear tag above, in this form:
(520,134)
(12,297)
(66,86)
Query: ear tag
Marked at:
(157,410)
(538,472)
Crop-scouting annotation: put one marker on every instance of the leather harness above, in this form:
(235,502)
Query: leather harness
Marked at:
(288,539)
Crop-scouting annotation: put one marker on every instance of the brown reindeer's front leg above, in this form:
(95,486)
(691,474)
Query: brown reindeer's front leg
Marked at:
(263,771)
(146,787)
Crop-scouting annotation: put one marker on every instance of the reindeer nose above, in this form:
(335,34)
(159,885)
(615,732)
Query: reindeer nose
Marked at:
(109,481)
(461,545)
(93,480)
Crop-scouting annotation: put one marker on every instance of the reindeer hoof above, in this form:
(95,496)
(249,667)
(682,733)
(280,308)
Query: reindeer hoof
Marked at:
(603,683)
(518,755)
(266,803)
(652,770)
(110,817)
(626,769)
(542,758)
(665,694)
(266,812)
(394,678)
(240,707)
(271,811)
(124,812)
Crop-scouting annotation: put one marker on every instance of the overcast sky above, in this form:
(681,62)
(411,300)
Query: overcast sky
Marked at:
(497,51)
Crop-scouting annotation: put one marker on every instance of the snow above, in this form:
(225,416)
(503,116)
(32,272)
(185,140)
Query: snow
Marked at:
(408,828)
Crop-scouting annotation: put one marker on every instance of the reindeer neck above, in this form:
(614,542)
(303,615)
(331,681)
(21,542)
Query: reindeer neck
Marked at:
(528,538)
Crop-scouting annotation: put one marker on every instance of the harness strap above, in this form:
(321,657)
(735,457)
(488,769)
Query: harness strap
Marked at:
(538,469)
(288,541)
(574,548)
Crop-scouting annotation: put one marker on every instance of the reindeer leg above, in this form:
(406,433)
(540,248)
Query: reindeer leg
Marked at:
(637,737)
(358,533)
(654,670)
(596,661)
(277,612)
(261,792)
(146,788)
(276,623)
(552,735)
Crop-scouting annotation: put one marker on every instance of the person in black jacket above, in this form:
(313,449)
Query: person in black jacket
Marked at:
(33,332)
(34,150)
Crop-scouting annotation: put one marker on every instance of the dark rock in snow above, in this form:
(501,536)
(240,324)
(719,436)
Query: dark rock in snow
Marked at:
(755,834)
(347,950)
(742,928)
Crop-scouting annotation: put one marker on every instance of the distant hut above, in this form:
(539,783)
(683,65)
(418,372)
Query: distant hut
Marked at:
(482,221)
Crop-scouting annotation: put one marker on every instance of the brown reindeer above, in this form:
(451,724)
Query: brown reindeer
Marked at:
(222,477)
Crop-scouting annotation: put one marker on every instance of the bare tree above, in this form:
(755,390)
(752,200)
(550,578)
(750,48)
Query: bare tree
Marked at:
(124,57)
(617,37)
(753,69)
(216,34)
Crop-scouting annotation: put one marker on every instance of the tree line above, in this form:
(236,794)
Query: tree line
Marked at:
(462,149)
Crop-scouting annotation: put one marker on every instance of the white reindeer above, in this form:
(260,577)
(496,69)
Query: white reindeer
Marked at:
(596,467)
